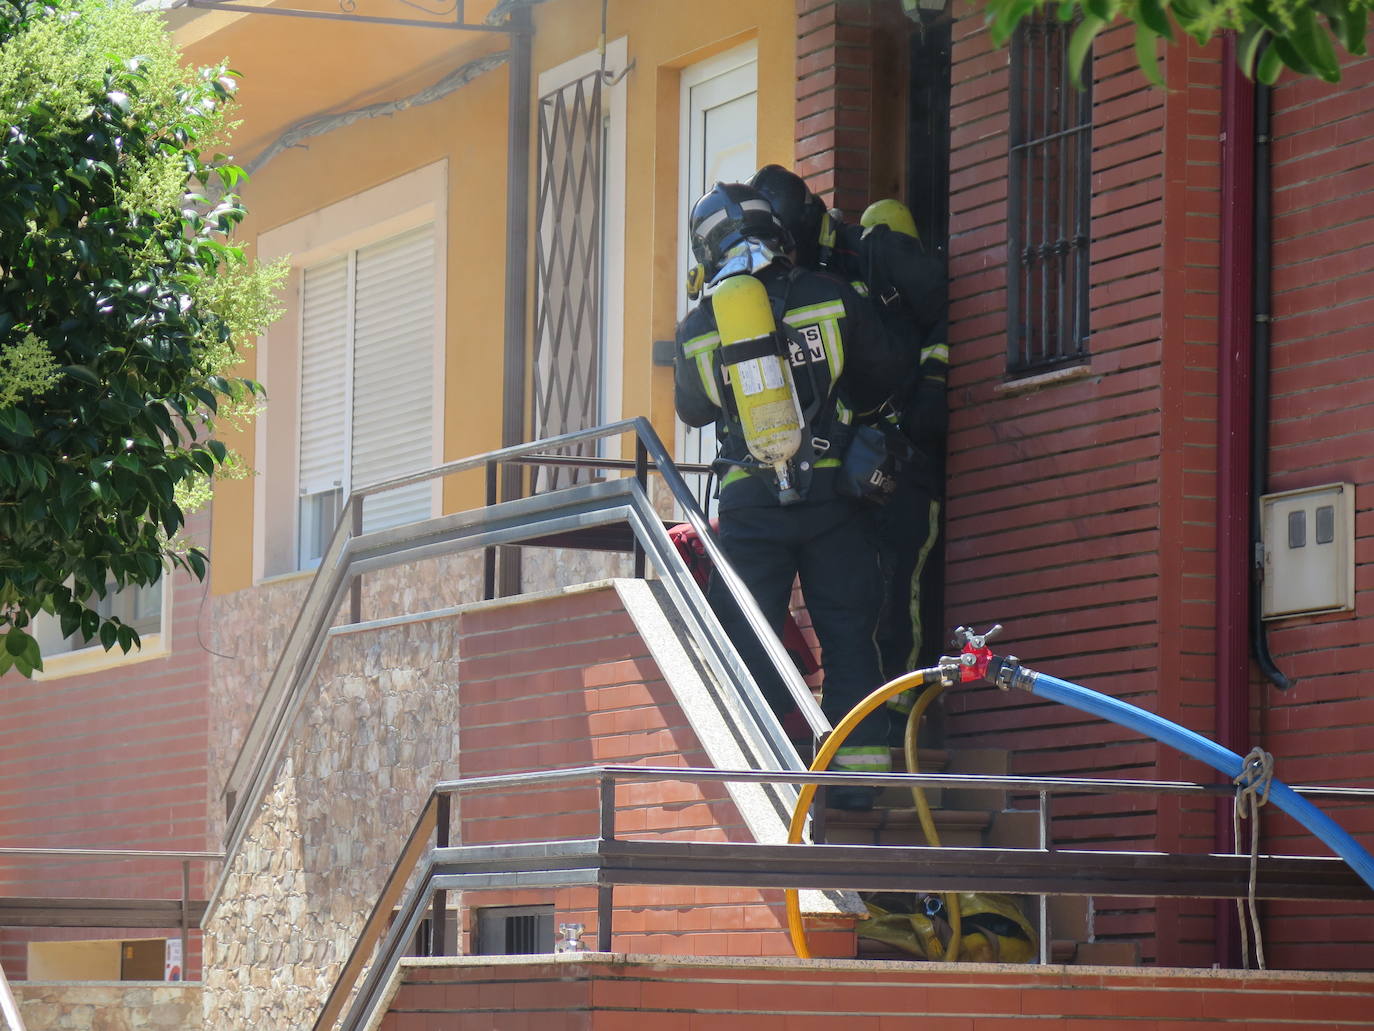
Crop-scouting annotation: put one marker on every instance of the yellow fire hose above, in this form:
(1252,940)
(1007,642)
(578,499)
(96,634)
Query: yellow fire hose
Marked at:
(821,763)
(918,795)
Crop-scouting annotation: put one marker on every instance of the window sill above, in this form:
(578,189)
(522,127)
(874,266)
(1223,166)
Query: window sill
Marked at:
(287,576)
(1026,384)
(95,659)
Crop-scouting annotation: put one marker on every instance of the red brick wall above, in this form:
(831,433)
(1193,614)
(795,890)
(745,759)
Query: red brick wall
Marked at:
(568,682)
(1055,495)
(109,760)
(834,100)
(1188,467)
(1322,431)
(1083,515)
(601,995)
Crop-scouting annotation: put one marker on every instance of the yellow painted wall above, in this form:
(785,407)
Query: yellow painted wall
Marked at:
(467,129)
(663,38)
(74,961)
(294,69)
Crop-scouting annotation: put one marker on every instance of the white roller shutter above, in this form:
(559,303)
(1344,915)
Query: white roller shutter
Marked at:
(393,374)
(324,388)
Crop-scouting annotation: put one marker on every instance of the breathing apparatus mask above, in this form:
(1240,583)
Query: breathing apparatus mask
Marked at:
(733,231)
(745,258)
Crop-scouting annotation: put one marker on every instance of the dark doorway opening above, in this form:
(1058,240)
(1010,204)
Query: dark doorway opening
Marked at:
(927,144)
(927,194)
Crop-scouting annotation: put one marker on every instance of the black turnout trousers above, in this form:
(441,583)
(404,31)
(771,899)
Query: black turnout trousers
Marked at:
(830,545)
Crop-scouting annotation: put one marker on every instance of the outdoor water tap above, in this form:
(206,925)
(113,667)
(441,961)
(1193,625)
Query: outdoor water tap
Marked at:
(964,636)
(572,938)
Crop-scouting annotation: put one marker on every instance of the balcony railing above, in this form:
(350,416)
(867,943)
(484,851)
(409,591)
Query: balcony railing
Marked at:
(183,913)
(434,867)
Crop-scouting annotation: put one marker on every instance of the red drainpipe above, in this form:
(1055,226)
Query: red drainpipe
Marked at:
(1235,346)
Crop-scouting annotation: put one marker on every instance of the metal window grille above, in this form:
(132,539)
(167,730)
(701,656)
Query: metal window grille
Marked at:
(515,931)
(1049,195)
(568,269)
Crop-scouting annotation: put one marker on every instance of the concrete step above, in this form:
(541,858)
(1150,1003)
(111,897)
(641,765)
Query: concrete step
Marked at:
(957,828)
(1070,917)
(970,818)
(1014,828)
(933,760)
(984,762)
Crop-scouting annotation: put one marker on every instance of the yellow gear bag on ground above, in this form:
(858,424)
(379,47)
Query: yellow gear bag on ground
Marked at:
(994,928)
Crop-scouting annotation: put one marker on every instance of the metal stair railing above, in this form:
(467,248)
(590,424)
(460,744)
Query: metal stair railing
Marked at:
(351,553)
(606,860)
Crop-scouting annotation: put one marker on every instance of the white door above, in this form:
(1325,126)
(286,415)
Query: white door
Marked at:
(719,120)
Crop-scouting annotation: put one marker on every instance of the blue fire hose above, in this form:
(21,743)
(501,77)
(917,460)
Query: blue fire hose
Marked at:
(977,661)
(1214,755)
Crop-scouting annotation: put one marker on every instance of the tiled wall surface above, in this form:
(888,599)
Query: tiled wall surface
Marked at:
(630,993)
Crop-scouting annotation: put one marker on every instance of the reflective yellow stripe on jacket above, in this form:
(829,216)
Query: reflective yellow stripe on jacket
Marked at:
(863,759)
(700,349)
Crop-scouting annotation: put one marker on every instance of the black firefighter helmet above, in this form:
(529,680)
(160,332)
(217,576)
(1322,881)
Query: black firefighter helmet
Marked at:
(800,211)
(727,216)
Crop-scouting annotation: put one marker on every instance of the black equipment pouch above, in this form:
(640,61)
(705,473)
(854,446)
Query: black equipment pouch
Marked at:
(876,455)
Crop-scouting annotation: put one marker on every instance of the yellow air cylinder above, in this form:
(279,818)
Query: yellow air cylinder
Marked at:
(760,381)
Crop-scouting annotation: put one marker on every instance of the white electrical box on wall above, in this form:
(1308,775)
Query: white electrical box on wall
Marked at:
(1309,550)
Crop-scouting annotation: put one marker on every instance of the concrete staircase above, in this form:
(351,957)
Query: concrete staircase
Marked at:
(973,818)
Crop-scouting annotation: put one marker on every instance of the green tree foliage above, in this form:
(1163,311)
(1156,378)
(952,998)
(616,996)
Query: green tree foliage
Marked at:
(122,308)
(1271,34)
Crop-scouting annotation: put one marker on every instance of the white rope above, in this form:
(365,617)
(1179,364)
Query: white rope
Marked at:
(1252,784)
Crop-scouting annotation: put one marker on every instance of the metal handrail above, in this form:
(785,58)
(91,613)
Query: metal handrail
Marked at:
(996,782)
(657,459)
(111,853)
(9,1008)
(578,861)
(351,552)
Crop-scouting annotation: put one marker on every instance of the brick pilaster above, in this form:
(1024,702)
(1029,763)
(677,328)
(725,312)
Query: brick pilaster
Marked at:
(834,99)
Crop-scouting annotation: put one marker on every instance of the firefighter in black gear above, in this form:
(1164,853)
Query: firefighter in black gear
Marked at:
(883,257)
(841,361)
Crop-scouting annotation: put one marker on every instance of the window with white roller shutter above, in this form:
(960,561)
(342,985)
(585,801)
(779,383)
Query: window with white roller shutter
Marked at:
(324,388)
(367,367)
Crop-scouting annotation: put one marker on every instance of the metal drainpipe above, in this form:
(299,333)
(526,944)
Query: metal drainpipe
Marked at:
(1259,414)
(1235,341)
(517,269)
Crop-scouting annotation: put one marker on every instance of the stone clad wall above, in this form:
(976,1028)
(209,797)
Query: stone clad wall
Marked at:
(376,734)
(251,628)
(546,569)
(248,632)
(108,1006)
